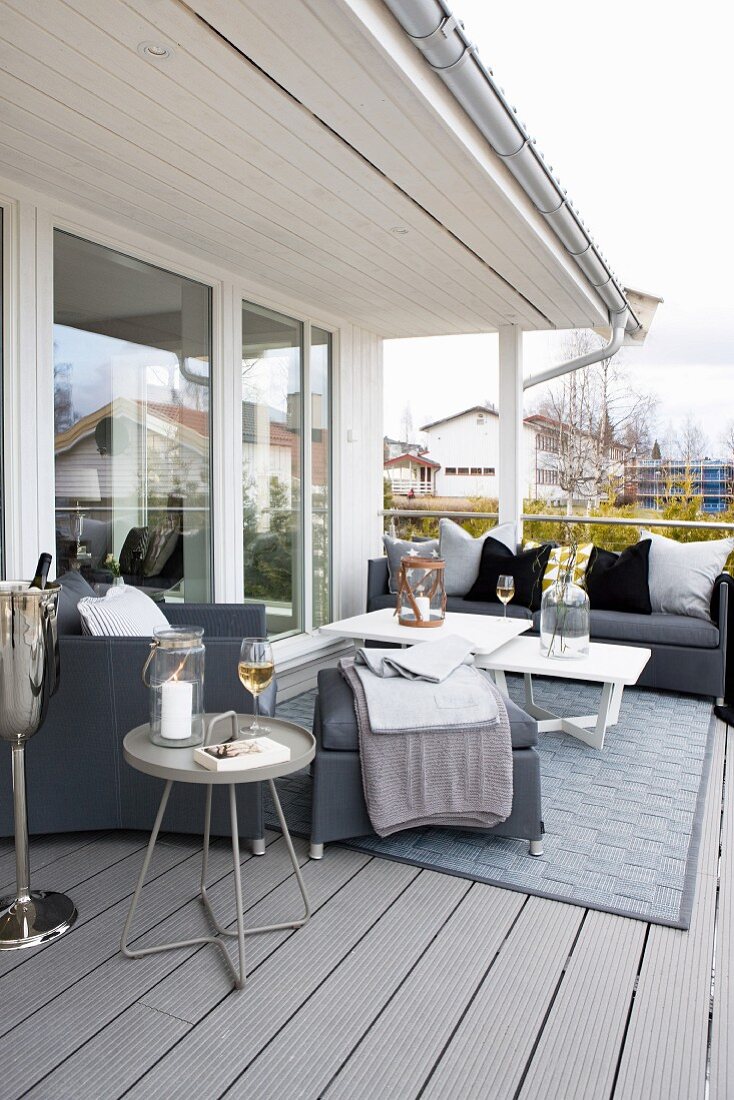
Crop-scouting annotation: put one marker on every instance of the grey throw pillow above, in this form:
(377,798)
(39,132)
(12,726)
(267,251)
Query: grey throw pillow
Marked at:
(401,548)
(463,554)
(682,574)
(73,588)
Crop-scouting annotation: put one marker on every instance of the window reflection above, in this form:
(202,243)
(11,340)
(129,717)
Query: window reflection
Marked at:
(131,421)
(320,376)
(272,461)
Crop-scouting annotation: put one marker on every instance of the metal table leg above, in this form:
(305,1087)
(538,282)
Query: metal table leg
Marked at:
(239,931)
(238,977)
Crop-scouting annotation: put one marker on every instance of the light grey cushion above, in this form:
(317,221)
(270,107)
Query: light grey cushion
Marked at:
(123,612)
(401,548)
(73,588)
(655,629)
(463,554)
(681,574)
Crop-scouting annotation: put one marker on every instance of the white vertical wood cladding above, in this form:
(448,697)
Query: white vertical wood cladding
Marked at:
(358,457)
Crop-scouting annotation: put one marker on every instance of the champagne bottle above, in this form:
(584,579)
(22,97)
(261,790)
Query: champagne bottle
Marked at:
(44,564)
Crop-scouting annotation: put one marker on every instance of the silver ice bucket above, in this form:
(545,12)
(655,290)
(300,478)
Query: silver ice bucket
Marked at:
(29,675)
(29,658)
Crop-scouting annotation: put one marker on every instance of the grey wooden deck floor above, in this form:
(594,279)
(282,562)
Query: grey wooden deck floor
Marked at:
(405,983)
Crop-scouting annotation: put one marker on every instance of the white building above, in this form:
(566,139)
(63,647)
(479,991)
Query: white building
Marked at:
(466,445)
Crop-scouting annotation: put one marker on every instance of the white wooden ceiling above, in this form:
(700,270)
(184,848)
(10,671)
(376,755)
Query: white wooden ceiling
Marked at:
(286,141)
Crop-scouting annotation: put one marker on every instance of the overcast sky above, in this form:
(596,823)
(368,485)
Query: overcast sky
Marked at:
(631,103)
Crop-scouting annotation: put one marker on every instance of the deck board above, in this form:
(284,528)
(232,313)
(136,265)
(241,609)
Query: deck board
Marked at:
(397,1053)
(376,967)
(578,1051)
(209,1061)
(106,992)
(508,1010)
(665,1052)
(404,983)
(722,1030)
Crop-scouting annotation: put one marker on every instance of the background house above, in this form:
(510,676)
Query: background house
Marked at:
(558,461)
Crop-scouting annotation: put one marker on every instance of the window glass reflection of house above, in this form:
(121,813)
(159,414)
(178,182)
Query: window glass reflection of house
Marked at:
(131,375)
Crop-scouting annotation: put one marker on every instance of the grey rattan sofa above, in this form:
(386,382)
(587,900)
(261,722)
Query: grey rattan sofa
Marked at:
(76,776)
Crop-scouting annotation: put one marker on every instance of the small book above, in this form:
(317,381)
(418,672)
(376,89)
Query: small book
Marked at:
(257,752)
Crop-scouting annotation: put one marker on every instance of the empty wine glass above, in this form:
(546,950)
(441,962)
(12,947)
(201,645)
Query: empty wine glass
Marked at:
(255,670)
(505,591)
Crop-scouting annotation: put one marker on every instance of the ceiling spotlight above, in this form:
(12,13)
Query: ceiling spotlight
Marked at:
(399,230)
(154,50)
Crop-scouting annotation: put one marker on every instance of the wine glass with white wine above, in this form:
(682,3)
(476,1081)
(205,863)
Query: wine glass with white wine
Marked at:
(255,670)
(505,591)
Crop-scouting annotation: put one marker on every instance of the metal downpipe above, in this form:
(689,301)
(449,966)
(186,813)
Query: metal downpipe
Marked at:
(619,326)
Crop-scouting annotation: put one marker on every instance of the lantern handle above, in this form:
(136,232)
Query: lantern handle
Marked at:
(146,666)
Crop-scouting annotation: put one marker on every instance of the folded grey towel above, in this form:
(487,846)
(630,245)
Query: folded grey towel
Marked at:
(433,661)
(427,777)
(462,701)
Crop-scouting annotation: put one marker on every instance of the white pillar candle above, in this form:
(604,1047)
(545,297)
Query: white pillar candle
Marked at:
(424,608)
(176,706)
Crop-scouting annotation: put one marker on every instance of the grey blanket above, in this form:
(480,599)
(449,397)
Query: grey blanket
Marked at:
(443,776)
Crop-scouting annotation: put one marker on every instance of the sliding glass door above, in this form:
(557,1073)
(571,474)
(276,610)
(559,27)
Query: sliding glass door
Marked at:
(286,469)
(132,423)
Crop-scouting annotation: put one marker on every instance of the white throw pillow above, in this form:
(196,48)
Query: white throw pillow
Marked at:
(682,574)
(123,612)
(463,554)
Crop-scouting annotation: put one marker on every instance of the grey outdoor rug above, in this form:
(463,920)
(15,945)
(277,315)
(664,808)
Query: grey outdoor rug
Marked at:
(622,825)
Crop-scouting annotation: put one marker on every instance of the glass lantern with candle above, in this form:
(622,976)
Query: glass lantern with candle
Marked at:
(421,591)
(174,672)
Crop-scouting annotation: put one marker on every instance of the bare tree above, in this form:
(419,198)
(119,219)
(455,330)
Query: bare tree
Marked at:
(595,408)
(692,443)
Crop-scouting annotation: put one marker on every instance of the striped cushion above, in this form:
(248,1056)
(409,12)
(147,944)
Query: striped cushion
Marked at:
(124,612)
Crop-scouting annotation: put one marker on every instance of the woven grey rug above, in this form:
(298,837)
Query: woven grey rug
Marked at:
(622,825)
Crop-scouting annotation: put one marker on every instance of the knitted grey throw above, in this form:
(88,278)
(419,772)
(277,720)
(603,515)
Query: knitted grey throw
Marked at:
(437,777)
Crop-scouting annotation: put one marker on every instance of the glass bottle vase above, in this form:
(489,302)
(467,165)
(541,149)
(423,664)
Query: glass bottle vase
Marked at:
(564,621)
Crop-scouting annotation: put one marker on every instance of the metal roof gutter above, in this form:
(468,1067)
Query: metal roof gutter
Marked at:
(440,37)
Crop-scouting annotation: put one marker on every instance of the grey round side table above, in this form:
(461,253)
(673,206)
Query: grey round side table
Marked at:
(179,766)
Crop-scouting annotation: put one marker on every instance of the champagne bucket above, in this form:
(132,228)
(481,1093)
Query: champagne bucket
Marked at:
(29,675)
(29,662)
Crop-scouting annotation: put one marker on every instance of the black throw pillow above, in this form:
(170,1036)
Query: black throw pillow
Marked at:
(526,568)
(618,582)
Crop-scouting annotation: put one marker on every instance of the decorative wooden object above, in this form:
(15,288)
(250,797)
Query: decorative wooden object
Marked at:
(421,592)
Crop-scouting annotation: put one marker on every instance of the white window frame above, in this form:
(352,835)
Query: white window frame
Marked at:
(29,221)
(306,588)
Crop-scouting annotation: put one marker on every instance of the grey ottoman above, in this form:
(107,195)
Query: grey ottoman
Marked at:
(339,810)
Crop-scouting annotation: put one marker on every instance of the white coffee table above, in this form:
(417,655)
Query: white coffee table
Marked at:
(486,633)
(613,666)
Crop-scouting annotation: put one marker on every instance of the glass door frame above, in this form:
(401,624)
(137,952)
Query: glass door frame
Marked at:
(305,588)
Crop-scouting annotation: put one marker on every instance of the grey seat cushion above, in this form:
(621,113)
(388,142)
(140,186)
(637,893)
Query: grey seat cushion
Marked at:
(457,603)
(655,629)
(339,725)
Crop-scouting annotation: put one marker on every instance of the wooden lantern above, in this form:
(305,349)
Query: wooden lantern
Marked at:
(421,592)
